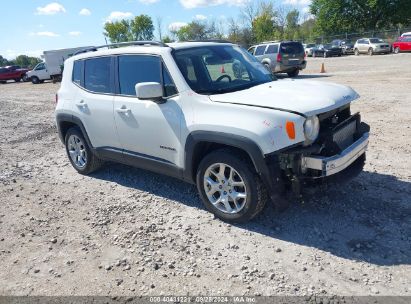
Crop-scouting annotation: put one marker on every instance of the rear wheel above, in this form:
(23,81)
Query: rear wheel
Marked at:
(79,153)
(294,73)
(370,51)
(356,52)
(35,80)
(397,50)
(229,186)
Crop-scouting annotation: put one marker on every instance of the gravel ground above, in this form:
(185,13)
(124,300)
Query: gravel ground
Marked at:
(124,231)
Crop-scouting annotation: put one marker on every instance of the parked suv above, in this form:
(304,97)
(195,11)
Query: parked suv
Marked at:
(209,114)
(281,57)
(371,46)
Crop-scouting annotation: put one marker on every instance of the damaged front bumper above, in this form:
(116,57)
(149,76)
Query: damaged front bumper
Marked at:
(329,165)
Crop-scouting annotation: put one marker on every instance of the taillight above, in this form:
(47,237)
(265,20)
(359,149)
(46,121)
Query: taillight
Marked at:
(57,98)
(279,58)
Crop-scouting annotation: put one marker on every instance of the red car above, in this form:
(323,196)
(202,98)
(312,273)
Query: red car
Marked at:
(403,44)
(12,73)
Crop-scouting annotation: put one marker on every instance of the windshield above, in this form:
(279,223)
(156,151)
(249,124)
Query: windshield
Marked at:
(376,40)
(220,69)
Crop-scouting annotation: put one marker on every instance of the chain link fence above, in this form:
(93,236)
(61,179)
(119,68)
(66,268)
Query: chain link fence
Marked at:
(389,35)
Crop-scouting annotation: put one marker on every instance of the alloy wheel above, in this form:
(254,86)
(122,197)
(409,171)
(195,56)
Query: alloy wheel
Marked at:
(225,188)
(77,151)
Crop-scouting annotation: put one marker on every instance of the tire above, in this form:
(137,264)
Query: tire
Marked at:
(314,55)
(370,51)
(293,73)
(250,186)
(397,50)
(356,52)
(25,78)
(325,55)
(79,153)
(267,66)
(35,80)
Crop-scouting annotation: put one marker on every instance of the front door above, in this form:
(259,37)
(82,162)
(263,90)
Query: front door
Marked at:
(41,71)
(146,128)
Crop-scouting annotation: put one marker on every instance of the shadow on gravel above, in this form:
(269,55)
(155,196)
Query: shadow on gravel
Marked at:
(367,219)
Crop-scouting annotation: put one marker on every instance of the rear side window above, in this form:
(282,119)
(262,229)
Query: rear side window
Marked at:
(133,69)
(291,48)
(272,49)
(77,72)
(97,75)
(260,50)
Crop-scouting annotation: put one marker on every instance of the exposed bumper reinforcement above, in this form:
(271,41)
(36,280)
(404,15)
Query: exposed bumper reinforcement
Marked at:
(336,163)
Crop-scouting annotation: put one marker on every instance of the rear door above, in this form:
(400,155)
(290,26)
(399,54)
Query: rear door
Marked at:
(271,53)
(292,53)
(94,100)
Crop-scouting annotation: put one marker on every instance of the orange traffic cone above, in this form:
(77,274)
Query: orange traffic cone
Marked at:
(322,68)
(222,70)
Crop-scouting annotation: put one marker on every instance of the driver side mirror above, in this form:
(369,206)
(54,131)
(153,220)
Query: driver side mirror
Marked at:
(150,91)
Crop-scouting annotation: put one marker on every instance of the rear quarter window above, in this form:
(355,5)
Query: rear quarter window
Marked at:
(78,72)
(272,49)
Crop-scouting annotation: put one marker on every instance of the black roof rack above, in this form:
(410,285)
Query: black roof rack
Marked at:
(209,40)
(120,44)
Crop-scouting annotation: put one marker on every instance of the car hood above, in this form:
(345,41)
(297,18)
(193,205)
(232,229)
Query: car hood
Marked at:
(304,97)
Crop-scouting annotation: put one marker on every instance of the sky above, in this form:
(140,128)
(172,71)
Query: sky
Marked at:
(32,26)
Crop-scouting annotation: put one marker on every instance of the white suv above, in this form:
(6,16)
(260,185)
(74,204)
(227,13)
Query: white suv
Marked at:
(210,114)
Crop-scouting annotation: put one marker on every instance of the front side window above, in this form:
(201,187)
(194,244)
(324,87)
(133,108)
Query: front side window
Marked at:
(40,67)
(97,75)
(134,69)
(220,69)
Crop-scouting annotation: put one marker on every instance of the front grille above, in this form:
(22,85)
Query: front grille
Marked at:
(338,129)
(344,137)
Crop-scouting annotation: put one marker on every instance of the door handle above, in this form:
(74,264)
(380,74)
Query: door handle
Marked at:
(123,110)
(81,104)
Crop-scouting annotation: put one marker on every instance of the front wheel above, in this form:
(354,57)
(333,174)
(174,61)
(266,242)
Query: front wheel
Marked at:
(79,153)
(370,51)
(397,50)
(35,80)
(356,52)
(229,186)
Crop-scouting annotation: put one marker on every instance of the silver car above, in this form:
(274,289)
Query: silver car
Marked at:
(371,46)
(281,57)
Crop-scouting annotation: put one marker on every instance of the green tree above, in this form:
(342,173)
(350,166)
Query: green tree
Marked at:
(195,30)
(139,28)
(142,28)
(335,16)
(292,24)
(3,61)
(263,26)
(167,39)
(118,31)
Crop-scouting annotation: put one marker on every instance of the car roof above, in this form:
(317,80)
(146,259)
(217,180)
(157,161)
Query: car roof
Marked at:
(146,49)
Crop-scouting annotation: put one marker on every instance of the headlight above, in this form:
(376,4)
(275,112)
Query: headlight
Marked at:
(311,129)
